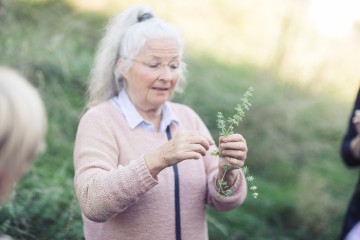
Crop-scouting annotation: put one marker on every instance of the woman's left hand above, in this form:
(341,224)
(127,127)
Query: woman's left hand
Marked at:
(233,150)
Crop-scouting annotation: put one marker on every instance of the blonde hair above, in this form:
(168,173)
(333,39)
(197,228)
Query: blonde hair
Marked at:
(125,36)
(23,126)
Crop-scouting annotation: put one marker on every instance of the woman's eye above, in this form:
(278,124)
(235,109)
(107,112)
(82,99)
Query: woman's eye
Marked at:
(174,65)
(154,65)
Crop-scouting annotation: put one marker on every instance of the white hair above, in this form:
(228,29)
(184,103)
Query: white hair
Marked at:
(125,36)
(23,124)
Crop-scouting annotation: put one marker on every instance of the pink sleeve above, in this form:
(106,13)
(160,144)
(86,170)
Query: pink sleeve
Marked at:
(223,203)
(103,187)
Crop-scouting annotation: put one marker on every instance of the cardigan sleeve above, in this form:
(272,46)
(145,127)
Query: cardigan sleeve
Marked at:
(345,151)
(239,188)
(103,187)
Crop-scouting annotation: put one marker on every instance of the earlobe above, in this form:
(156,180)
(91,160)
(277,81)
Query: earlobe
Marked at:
(119,64)
(120,67)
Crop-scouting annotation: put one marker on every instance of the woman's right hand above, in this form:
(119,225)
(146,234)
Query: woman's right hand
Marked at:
(356,120)
(184,145)
(355,142)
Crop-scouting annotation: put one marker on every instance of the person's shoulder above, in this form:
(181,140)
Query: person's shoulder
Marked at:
(181,108)
(101,110)
(188,118)
(185,113)
(101,116)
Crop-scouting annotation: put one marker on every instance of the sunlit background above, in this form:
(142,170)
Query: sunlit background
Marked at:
(315,43)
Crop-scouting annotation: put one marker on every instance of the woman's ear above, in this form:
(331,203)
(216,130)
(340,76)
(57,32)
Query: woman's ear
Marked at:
(121,67)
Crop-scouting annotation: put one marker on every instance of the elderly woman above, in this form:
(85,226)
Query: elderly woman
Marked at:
(143,167)
(23,124)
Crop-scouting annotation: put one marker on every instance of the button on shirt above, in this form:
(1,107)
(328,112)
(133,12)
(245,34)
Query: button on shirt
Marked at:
(123,104)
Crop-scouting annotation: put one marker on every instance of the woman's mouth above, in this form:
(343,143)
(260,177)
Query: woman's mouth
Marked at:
(160,88)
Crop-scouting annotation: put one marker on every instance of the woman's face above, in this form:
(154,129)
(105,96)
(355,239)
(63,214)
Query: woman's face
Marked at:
(154,74)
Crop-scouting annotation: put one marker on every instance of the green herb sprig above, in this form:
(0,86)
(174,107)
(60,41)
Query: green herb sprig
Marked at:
(227,128)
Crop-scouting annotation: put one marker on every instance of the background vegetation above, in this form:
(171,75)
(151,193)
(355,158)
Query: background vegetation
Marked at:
(305,82)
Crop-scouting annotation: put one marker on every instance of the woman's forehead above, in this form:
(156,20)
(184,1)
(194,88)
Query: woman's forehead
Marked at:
(158,48)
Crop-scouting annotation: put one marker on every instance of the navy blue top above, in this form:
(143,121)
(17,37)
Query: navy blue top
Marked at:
(352,215)
(346,153)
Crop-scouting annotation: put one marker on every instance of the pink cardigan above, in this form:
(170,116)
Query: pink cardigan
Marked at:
(119,198)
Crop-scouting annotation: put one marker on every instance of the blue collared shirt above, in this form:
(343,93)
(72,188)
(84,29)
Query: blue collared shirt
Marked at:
(123,104)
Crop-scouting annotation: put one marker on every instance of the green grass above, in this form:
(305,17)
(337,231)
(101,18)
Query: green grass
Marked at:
(293,134)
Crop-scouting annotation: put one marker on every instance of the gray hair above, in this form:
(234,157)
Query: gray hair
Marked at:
(126,34)
(23,124)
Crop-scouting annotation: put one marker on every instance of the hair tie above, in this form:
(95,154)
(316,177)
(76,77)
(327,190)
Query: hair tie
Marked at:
(144,17)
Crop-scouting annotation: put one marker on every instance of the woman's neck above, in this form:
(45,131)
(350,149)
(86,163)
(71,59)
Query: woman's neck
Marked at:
(152,115)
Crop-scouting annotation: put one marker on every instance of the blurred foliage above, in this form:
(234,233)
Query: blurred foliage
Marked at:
(293,133)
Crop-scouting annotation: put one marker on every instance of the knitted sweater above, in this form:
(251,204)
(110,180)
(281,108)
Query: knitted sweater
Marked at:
(118,196)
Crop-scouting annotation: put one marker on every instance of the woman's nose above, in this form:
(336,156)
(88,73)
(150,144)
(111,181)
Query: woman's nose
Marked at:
(166,73)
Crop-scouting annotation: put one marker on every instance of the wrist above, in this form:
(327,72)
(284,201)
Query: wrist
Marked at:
(155,164)
(229,176)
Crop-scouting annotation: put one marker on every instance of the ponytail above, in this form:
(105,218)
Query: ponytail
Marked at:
(104,83)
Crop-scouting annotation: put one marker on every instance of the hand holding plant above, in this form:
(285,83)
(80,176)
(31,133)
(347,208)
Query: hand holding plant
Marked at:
(226,129)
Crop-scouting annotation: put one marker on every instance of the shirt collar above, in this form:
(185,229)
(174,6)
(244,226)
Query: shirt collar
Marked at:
(123,104)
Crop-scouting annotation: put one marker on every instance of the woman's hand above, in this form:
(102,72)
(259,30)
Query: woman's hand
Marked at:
(184,145)
(233,150)
(355,143)
(356,120)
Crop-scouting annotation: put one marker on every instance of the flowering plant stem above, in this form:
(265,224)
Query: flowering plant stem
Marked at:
(222,186)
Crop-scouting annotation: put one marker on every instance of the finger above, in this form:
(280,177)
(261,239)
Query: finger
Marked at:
(356,117)
(233,146)
(204,141)
(182,157)
(232,138)
(190,155)
(196,148)
(196,136)
(234,161)
(209,139)
(239,155)
(356,120)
